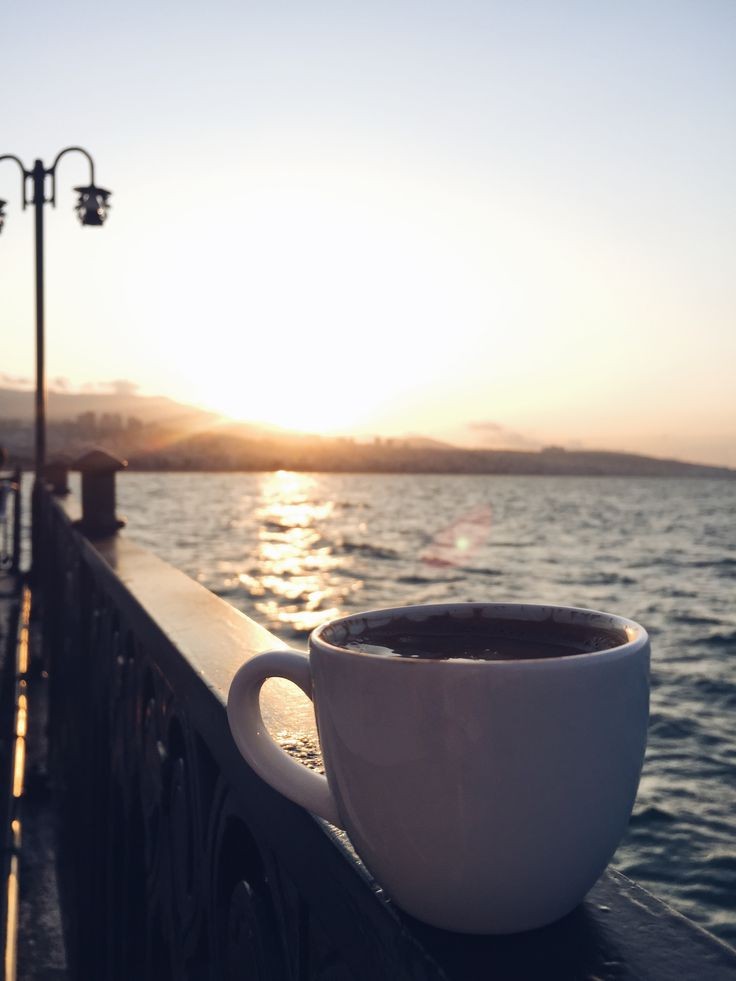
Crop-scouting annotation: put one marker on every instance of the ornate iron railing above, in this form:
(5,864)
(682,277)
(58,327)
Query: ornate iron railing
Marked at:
(177,862)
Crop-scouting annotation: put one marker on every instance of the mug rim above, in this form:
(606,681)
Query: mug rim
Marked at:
(638,636)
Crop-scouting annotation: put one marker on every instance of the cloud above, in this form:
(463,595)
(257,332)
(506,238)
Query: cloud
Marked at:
(15,381)
(489,433)
(487,426)
(120,386)
(123,386)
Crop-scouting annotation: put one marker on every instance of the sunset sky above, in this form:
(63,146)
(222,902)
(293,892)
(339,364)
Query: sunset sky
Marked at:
(498,223)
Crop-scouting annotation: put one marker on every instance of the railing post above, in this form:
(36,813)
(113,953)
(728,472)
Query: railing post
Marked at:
(98,469)
(56,473)
(17,511)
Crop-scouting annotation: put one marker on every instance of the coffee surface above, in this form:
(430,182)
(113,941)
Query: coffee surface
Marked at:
(447,638)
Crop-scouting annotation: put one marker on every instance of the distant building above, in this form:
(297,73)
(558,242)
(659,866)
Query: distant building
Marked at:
(111,422)
(87,423)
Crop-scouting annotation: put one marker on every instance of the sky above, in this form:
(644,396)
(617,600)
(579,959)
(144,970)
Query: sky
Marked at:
(495,223)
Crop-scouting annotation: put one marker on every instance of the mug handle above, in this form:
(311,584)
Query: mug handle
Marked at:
(272,764)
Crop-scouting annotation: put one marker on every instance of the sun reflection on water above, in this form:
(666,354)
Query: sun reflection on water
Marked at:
(295,586)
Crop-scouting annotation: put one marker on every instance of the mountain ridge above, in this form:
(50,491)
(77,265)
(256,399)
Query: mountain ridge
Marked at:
(170,435)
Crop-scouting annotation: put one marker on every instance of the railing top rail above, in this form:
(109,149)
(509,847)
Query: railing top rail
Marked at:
(210,638)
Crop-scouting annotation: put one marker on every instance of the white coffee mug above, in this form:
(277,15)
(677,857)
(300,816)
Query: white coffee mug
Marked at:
(485,796)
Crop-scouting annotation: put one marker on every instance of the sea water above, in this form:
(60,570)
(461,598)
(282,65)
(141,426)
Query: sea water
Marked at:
(292,550)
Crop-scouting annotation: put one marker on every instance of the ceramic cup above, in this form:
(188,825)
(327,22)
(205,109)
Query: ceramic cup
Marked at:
(485,796)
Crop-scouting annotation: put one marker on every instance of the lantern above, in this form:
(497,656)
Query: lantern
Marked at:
(92,206)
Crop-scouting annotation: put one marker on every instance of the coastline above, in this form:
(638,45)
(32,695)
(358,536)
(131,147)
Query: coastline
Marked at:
(327,457)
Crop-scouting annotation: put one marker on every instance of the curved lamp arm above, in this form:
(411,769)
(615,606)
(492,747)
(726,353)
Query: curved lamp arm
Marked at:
(52,168)
(23,175)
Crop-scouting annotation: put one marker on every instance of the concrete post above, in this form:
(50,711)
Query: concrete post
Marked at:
(98,470)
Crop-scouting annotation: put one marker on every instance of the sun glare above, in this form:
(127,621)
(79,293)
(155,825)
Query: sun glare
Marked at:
(338,288)
(302,408)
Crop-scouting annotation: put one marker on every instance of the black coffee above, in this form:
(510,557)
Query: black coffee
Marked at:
(442,637)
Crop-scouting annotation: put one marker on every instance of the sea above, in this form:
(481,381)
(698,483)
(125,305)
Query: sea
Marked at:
(292,550)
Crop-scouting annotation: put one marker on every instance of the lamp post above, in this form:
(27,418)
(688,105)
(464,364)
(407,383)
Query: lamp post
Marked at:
(92,206)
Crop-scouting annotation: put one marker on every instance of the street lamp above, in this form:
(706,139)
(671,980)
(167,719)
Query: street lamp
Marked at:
(91,208)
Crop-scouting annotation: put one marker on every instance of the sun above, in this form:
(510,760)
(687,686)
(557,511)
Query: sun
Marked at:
(345,309)
(313,412)
(310,391)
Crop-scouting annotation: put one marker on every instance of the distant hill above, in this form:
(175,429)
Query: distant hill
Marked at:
(225,451)
(156,433)
(18,404)
(425,443)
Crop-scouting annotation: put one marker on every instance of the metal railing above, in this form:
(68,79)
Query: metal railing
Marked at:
(177,862)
